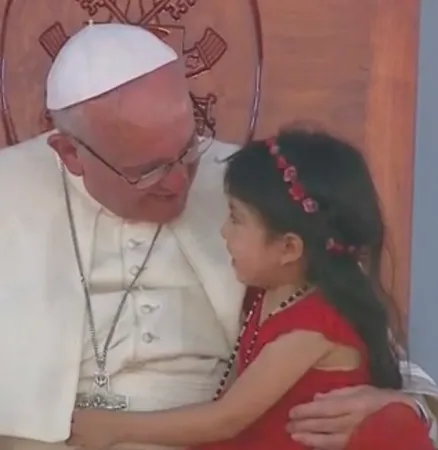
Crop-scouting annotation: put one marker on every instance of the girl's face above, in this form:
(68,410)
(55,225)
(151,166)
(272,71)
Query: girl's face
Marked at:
(258,259)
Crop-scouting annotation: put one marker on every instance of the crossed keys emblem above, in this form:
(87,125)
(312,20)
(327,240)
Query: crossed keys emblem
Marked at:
(162,18)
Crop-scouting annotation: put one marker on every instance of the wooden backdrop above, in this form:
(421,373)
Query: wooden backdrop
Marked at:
(254,65)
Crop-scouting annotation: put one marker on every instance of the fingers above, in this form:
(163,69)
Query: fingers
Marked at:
(344,392)
(342,424)
(325,407)
(322,406)
(322,441)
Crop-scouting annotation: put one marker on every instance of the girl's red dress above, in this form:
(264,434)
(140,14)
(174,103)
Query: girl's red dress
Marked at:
(312,313)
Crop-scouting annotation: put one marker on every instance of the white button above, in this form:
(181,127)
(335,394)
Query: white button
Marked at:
(134,270)
(147,309)
(148,337)
(132,243)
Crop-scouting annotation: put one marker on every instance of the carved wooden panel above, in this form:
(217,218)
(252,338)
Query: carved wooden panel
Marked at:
(254,65)
(215,39)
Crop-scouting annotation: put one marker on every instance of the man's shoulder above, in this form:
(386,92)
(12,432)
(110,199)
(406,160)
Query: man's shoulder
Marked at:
(214,162)
(220,151)
(28,169)
(27,153)
(207,193)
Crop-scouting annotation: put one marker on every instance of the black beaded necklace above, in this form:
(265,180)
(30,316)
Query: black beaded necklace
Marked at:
(297,295)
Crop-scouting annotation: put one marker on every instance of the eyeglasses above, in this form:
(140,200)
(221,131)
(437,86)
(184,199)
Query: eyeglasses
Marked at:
(191,155)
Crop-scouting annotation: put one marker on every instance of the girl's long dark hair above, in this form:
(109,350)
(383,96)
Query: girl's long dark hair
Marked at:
(335,174)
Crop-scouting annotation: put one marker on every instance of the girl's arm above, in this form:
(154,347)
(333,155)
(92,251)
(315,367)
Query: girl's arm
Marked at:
(278,367)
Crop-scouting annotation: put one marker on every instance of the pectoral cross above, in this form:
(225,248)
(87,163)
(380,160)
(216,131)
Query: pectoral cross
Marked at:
(101,396)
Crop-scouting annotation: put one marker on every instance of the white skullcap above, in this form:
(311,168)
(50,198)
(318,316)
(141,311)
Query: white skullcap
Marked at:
(100,58)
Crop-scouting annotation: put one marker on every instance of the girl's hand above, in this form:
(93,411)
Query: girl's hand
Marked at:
(93,429)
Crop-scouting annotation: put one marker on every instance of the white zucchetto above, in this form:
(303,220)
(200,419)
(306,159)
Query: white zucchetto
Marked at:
(100,58)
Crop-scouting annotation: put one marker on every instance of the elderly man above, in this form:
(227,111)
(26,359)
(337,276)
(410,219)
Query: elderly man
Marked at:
(116,290)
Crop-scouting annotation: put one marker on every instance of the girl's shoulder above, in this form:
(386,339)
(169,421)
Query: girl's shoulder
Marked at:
(312,313)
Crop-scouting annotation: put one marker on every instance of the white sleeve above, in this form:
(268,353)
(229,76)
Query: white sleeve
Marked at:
(418,383)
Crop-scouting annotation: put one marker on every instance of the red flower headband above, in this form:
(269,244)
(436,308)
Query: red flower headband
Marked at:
(298,194)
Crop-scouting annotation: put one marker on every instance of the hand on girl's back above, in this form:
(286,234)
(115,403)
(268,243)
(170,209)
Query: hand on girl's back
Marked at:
(328,422)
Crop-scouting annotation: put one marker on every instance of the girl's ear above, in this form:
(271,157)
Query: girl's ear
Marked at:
(292,248)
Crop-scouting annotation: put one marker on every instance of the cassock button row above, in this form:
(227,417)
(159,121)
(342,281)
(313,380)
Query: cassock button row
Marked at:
(133,243)
(134,270)
(148,337)
(147,309)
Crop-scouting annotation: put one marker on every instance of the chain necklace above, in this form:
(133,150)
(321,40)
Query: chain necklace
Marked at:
(100,396)
(296,296)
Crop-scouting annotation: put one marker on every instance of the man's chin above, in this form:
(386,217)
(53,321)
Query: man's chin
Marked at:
(159,210)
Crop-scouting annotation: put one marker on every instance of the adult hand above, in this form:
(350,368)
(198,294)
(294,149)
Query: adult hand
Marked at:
(328,422)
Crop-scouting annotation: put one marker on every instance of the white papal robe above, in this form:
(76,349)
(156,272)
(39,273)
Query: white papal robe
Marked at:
(176,330)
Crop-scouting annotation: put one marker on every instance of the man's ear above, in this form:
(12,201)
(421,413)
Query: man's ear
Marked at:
(293,248)
(67,152)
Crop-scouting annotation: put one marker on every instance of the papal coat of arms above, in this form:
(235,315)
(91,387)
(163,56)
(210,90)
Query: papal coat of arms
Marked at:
(194,28)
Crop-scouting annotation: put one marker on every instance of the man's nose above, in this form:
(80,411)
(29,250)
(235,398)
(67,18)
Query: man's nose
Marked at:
(177,178)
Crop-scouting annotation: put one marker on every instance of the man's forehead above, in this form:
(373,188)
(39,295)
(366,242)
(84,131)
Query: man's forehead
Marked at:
(142,120)
(154,101)
(131,141)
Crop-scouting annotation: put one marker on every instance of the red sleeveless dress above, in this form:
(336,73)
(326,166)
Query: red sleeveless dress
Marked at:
(315,314)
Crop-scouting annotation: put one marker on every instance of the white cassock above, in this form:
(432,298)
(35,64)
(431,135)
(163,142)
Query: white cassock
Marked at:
(177,328)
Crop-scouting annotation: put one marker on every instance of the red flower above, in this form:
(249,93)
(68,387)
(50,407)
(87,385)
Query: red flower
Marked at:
(282,163)
(290,174)
(333,246)
(310,205)
(330,244)
(275,150)
(297,192)
(272,145)
(270,141)
(336,247)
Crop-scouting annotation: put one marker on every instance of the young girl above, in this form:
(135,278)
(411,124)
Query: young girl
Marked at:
(305,232)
